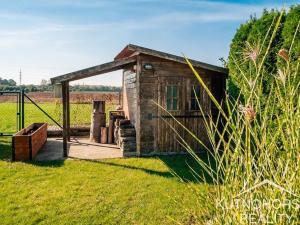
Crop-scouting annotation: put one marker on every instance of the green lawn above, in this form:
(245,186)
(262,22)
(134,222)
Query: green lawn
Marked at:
(116,191)
(80,114)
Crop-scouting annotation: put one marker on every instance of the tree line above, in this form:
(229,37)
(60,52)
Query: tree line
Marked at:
(45,86)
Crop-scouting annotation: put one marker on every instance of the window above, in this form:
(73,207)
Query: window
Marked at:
(172,97)
(195,97)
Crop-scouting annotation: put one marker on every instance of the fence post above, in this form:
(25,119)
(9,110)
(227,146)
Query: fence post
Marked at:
(19,124)
(22,109)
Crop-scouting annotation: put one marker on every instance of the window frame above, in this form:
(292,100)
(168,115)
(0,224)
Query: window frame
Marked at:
(172,97)
(195,97)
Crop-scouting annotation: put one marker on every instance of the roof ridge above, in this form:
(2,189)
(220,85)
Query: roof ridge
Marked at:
(148,51)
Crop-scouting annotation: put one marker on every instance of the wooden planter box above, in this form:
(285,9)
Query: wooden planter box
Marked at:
(27,142)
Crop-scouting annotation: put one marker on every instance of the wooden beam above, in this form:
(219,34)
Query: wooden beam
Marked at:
(65,113)
(95,70)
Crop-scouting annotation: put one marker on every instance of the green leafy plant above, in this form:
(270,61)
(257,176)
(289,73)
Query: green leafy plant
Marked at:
(251,39)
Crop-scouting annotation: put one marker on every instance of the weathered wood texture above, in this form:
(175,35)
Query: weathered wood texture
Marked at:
(68,112)
(143,90)
(95,70)
(130,95)
(110,131)
(126,136)
(65,101)
(104,135)
(159,135)
(131,49)
(127,132)
(127,144)
(98,120)
(113,116)
(99,106)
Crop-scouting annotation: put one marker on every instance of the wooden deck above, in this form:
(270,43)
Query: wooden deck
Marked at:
(79,148)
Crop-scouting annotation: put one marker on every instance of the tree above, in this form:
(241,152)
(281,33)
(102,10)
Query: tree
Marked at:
(252,39)
(44,82)
(288,33)
(9,82)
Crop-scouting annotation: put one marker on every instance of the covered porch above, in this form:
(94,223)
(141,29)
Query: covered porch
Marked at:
(80,148)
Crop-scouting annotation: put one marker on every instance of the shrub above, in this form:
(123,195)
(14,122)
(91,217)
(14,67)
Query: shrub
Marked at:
(252,37)
(256,153)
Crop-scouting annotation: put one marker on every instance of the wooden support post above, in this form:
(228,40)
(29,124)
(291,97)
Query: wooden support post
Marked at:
(68,110)
(99,106)
(65,113)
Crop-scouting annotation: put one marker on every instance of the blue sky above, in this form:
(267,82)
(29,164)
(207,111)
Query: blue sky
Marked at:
(46,38)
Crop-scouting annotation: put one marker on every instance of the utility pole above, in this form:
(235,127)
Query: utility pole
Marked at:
(20,77)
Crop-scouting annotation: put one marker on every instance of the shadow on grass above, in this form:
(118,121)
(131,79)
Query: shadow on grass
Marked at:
(187,168)
(52,163)
(6,155)
(5,148)
(183,167)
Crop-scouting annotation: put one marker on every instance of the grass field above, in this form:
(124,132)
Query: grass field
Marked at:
(80,114)
(116,191)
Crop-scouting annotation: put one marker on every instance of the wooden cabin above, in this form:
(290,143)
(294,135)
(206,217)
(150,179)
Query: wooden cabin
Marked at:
(153,80)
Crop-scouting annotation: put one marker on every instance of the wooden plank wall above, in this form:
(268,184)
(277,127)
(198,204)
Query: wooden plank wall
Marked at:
(156,134)
(130,95)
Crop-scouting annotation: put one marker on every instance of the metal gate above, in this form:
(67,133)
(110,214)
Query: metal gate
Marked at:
(11,112)
(16,99)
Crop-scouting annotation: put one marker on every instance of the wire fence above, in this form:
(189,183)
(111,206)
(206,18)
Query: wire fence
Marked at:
(80,109)
(9,113)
